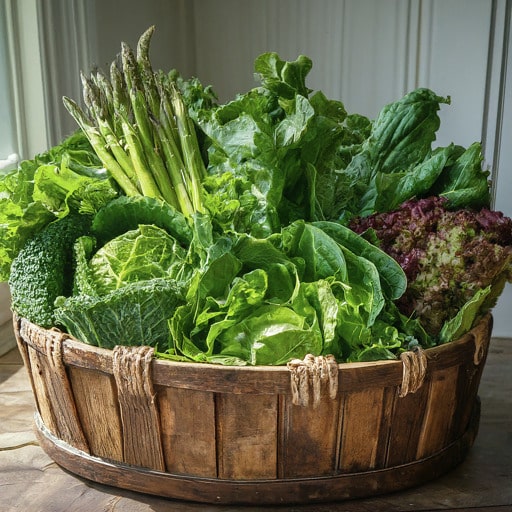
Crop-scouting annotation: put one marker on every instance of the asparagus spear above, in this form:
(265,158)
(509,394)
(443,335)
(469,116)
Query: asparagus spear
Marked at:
(98,143)
(190,147)
(142,120)
(136,152)
(146,70)
(139,127)
(93,102)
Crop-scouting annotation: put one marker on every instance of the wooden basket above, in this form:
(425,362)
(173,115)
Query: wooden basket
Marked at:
(314,431)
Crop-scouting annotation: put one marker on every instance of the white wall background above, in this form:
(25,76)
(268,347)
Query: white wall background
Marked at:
(365,53)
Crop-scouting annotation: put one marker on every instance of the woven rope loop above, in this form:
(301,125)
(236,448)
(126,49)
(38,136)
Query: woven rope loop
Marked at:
(414,363)
(310,376)
(132,369)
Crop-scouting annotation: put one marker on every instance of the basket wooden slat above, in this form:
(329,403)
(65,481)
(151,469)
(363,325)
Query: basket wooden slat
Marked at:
(98,408)
(437,427)
(37,365)
(366,417)
(218,434)
(403,448)
(188,431)
(310,437)
(246,426)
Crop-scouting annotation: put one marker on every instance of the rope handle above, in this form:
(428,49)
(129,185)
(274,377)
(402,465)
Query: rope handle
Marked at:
(132,369)
(310,375)
(414,369)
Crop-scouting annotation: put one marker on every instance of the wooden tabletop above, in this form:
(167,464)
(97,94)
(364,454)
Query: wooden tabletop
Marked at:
(31,481)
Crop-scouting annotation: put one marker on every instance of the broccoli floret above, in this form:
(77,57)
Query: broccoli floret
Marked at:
(43,269)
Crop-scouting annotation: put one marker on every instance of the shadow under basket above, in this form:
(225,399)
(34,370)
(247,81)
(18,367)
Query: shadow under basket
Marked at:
(314,431)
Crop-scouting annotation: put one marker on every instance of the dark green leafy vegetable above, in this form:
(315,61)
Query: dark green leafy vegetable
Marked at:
(136,314)
(235,237)
(464,183)
(43,269)
(396,162)
(391,275)
(265,300)
(145,253)
(126,213)
(274,152)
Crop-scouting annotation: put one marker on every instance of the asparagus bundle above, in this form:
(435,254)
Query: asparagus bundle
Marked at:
(139,127)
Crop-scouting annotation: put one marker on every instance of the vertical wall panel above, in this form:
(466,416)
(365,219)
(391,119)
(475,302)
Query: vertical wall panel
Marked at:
(454,40)
(231,34)
(359,49)
(502,155)
(314,29)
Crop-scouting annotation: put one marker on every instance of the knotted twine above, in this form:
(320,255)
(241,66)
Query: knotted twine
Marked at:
(414,363)
(309,375)
(138,406)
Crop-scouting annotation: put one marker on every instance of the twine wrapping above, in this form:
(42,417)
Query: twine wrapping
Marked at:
(138,406)
(132,369)
(414,363)
(309,375)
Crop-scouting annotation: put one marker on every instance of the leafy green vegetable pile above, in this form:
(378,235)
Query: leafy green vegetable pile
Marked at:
(255,231)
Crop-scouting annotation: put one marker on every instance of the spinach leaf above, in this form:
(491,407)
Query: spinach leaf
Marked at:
(403,132)
(391,275)
(323,257)
(386,191)
(464,183)
(401,138)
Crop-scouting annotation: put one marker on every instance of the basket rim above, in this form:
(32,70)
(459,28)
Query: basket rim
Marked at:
(253,379)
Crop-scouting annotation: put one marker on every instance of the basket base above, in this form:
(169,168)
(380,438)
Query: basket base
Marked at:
(339,487)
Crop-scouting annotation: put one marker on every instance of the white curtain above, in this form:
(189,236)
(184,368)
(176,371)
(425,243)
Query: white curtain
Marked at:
(8,143)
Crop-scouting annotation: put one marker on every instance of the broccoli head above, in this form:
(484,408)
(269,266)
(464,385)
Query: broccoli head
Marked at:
(43,269)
